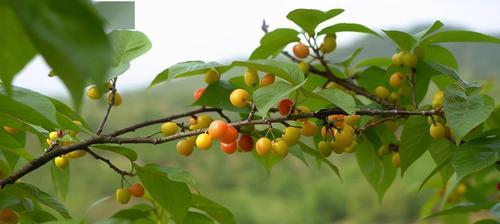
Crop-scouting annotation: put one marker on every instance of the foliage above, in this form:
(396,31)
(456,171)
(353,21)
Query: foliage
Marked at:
(385,123)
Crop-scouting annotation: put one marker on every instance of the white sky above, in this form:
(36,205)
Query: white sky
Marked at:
(221,30)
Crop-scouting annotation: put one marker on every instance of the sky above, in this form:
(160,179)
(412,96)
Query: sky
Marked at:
(221,30)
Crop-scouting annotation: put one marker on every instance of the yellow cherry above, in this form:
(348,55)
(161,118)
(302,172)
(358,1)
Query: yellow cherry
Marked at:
(169,128)
(251,77)
(204,141)
(212,76)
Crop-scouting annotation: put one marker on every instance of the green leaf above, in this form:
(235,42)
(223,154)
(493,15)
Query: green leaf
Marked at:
(404,40)
(127,152)
(71,38)
(23,190)
(347,27)
(321,158)
(185,69)
(438,168)
(8,200)
(131,214)
(214,210)
(16,49)
(36,216)
(372,77)
(379,173)
(477,154)
(440,55)
(464,112)
(273,42)
(415,140)
(60,180)
(339,98)
(286,70)
(443,69)
(309,19)
(198,218)
(173,196)
(380,62)
(127,45)
(347,61)
(178,174)
(464,207)
(494,120)
(435,26)
(28,106)
(269,96)
(11,145)
(441,151)
(217,95)
(297,153)
(459,36)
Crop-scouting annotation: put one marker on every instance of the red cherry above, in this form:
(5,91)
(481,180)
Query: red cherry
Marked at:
(230,136)
(246,143)
(136,190)
(284,106)
(228,148)
(498,186)
(198,92)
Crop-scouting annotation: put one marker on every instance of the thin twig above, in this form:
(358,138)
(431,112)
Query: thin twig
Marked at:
(108,109)
(376,123)
(252,112)
(111,165)
(412,88)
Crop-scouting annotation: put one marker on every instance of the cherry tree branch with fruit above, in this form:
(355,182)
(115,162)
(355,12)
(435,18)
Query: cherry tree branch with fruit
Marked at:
(374,109)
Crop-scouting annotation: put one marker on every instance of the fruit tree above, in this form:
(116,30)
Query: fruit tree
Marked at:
(291,98)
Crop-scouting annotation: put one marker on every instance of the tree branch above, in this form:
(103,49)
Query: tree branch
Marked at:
(111,165)
(103,139)
(108,109)
(163,120)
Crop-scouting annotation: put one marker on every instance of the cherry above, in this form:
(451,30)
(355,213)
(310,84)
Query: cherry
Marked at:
(94,93)
(136,190)
(396,160)
(245,143)
(410,60)
(117,101)
(396,80)
(382,92)
(197,94)
(228,148)
(309,128)
(251,77)
(230,136)
(169,128)
(263,146)
(204,141)
(122,195)
(185,147)
(300,50)
(61,162)
(212,76)
(284,106)
(268,79)
(217,129)
(280,148)
(239,98)
(291,135)
(437,131)
(8,216)
(398,59)
(324,148)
